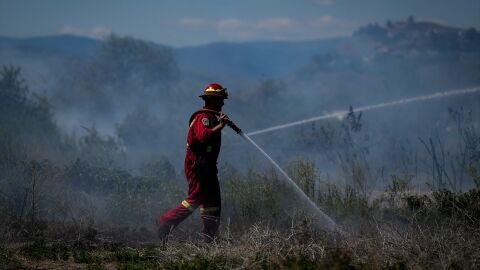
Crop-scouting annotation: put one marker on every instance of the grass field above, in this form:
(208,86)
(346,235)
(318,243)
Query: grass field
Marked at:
(397,230)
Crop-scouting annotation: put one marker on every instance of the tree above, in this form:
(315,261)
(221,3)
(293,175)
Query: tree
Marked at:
(123,70)
(25,119)
(140,130)
(123,58)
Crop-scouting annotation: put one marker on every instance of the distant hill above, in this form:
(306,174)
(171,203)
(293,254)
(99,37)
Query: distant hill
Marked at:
(422,36)
(372,46)
(267,59)
(407,44)
(60,45)
(271,58)
(244,59)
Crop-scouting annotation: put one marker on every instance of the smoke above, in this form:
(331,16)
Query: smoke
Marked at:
(123,110)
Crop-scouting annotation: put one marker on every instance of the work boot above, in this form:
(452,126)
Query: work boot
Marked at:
(163,233)
(209,228)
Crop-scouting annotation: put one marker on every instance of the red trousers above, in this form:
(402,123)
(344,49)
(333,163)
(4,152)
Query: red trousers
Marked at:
(203,192)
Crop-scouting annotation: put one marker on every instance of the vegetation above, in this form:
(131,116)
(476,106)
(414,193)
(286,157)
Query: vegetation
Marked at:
(398,230)
(74,201)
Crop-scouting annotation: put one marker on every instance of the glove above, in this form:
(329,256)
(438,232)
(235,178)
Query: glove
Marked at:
(224,119)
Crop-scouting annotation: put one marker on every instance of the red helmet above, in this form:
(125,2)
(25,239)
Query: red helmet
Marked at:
(214,89)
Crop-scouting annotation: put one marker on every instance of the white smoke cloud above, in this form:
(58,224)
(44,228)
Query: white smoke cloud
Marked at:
(270,28)
(322,20)
(235,29)
(193,22)
(232,24)
(323,2)
(284,28)
(329,26)
(275,23)
(98,31)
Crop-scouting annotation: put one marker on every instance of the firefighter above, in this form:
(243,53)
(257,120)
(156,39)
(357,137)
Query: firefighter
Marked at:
(203,147)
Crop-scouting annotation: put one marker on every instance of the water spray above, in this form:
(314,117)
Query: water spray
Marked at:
(326,222)
(342,114)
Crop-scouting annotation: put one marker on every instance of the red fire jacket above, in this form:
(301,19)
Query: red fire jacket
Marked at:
(203,145)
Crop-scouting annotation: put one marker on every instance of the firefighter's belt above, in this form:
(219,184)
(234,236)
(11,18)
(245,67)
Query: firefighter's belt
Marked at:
(208,210)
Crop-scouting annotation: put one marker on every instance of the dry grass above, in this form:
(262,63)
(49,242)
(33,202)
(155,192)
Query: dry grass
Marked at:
(448,244)
(398,229)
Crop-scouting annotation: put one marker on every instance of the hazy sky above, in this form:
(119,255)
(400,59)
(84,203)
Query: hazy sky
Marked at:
(184,23)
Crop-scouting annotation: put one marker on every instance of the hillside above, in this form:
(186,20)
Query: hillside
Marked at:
(257,60)
(244,59)
(63,45)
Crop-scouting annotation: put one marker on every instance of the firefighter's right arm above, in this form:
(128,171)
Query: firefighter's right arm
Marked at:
(218,127)
(202,128)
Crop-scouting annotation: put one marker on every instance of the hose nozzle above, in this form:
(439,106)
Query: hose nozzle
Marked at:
(234,127)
